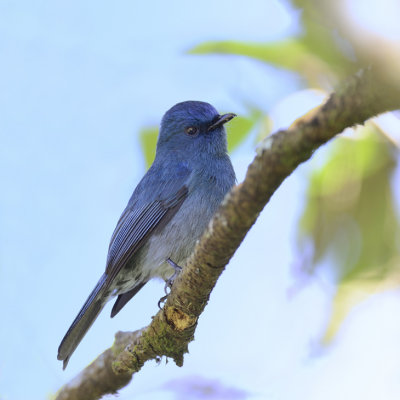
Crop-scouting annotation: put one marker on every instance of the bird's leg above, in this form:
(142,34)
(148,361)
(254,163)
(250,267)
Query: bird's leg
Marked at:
(170,281)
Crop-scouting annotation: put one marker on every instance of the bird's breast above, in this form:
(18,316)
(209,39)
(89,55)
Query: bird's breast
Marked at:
(178,238)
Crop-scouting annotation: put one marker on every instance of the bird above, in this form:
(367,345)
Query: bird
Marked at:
(166,214)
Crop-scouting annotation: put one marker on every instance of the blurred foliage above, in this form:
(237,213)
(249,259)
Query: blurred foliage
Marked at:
(322,35)
(289,54)
(239,128)
(350,217)
(319,54)
(148,140)
(264,127)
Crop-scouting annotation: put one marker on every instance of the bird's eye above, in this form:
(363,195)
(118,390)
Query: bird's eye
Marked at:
(192,130)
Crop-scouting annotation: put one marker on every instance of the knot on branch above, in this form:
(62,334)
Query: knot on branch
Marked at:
(178,319)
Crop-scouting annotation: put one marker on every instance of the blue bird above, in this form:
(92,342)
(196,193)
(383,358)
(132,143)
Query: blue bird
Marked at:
(167,213)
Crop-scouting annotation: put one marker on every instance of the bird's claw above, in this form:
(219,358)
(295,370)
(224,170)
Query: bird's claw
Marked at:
(161,301)
(170,281)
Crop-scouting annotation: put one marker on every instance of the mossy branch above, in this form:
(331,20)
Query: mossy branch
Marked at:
(171,330)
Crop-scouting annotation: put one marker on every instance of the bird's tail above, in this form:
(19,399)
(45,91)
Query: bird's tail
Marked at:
(84,320)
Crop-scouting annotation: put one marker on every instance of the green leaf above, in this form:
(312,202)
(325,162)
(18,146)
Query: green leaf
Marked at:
(148,140)
(239,128)
(320,53)
(350,219)
(289,54)
(321,22)
(265,129)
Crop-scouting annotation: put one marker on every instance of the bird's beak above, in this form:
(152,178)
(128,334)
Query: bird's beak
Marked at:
(222,119)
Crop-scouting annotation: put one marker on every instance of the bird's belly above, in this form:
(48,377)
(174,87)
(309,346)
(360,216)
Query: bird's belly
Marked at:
(178,238)
(175,241)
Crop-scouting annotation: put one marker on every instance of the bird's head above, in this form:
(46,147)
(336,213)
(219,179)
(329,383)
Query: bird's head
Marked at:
(193,127)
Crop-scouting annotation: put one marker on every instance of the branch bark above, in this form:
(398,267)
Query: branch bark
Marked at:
(171,330)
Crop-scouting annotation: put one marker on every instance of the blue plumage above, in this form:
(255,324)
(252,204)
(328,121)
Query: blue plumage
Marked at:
(167,213)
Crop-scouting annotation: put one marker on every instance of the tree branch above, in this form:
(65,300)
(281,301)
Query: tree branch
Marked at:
(171,330)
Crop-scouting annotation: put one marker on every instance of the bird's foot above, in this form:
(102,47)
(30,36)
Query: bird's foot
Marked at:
(170,281)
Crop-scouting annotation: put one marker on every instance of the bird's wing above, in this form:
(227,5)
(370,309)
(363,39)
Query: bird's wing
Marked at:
(166,190)
(132,230)
(137,223)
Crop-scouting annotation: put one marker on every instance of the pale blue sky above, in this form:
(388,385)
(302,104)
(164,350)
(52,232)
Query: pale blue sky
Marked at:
(77,81)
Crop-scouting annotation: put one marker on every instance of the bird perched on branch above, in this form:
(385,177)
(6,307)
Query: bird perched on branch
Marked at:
(168,211)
